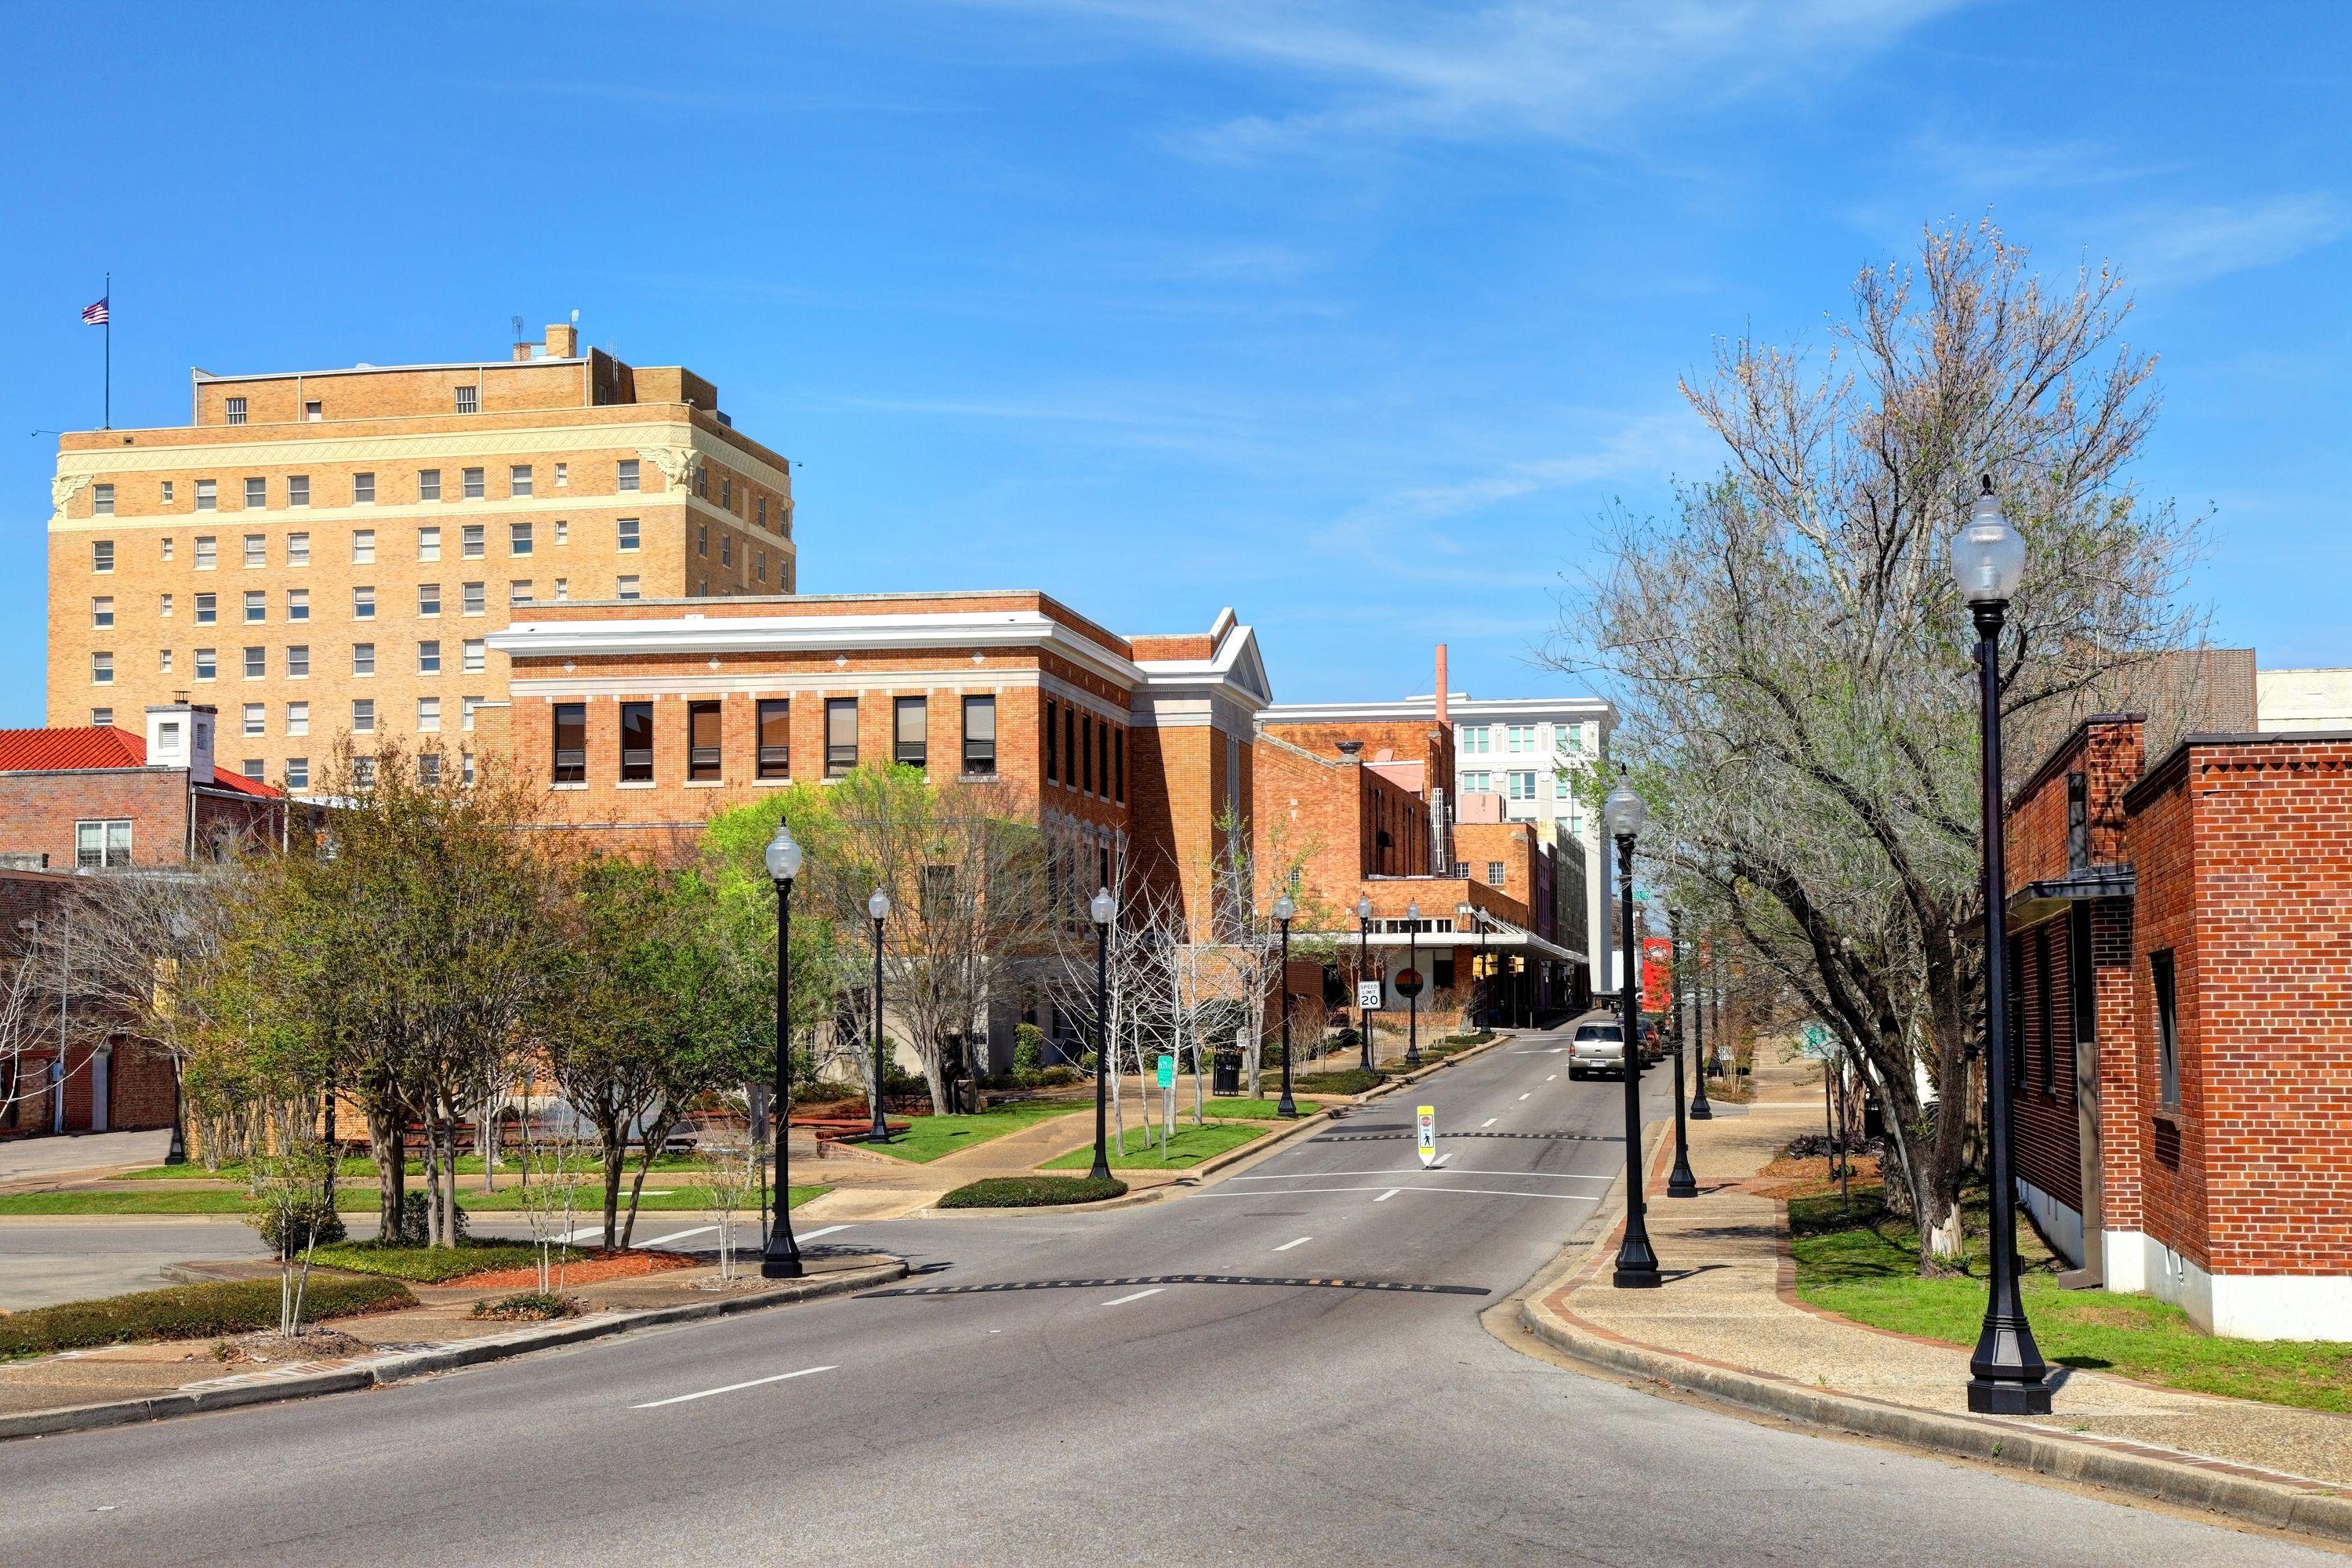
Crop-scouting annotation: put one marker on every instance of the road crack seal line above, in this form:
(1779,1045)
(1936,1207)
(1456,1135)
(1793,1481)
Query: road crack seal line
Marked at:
(1399,1137)
(1294,1281)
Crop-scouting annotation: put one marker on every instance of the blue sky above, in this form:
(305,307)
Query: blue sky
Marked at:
(1355,317)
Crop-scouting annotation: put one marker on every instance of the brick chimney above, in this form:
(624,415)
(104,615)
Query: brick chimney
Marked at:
(563,340)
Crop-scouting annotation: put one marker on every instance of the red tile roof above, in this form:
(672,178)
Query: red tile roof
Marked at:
(101,746)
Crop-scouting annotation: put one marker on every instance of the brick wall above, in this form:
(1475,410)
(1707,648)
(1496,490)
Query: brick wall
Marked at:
(2049,1135)
(38,810)
(2172,1172)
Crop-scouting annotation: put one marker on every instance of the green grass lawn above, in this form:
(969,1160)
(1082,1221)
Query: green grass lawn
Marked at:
(188,1312)
(508,1199)
(929,1137)
(1863,1267)
(1251,1109)
(1188,1147)
(359,1168)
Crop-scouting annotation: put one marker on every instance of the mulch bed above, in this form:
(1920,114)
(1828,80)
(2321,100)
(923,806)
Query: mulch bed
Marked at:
(599,1265)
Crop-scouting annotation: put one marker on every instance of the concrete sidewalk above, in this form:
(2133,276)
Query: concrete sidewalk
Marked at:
(1728,1322)
(39,1161)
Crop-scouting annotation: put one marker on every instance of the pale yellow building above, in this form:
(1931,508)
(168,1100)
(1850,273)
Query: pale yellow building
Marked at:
(329,550)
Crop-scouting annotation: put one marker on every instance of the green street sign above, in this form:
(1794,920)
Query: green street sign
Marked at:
(1816,1040)
(1168,1072)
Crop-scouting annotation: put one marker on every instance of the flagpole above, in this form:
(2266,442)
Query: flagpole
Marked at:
(108,414)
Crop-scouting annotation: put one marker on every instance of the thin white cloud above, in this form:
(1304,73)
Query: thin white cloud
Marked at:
(2175,248)
(1566,69)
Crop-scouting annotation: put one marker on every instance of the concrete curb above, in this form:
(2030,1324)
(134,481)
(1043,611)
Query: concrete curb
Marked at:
(386,1370)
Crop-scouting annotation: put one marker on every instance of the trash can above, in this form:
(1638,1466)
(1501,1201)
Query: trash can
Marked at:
(1226,1077)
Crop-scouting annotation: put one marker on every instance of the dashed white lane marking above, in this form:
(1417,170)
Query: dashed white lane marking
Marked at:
(1456,1171)
(1138,1296)
(1387,1195)
(730,1388)
(1529,1095)
(813,1235)
(1288,1244)
(1488,1122)
(676,1236)
(582,1234)
(1392,1191)
(1554,1079)
(1441,1159)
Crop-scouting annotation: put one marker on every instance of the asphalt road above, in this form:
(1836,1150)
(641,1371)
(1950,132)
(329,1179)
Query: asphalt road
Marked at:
(1073,1421)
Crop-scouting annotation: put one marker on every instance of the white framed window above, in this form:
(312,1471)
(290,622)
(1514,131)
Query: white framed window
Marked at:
(297,489)
(207,609)
(104,845)
(470,541)
(474,656)
(627,529)
(101,500)
(257,605)
(235,411)
(314,411)
(362,659)
(101,555)
(257,494)
(167,493)
(208,495)
(470,400)
(163,605)
(624,588)
(297,772)
(256,550)
(1495,876)
(625,477)
(428,544)
(102,669)
(1478,783)
(101,610)
(298,717)
(257,718)
(428,599)
(465,766)
(465,710)
(428,656)
(297,662)
(562,589)
(362,604)
(163,661)
(1476,738)
(518,538)
(298,550)
(471,598)
(763,511)
(428,768)
(518,591)
(472,485)
(364,768)
(702,539)
(298,603)
(207,553)
(727,550)
(363,489)
(563,531)
(428,715)
(362,715)
(207,664)
(563,476)
(1522,738)
(166,543)
(256,663)
(759,565)
(102,717)
(1523,785)
(519,480)
(428,484)
(363,547)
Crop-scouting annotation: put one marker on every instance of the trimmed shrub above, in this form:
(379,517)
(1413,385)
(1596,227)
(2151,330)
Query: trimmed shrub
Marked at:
(1028,1048)
(1347,1080)
(431,1265)
(189,1312)
(1032,1191)
(1055,1075)
(312,1224)
(416,1219)
(526,1307)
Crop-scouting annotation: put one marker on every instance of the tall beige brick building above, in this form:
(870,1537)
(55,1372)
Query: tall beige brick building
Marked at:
(326,552)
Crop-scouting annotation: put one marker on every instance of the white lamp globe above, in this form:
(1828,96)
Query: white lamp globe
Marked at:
(1412,911)
(1284,908)
(1988,555)
(1364,907)
(1103,906)
(1624,811)
(783,855)
(878,906)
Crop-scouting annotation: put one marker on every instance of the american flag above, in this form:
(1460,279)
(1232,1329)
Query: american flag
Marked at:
(94,315)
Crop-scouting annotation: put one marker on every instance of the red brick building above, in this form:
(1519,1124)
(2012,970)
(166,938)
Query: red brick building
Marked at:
(94,798)
(2181,1020)
(74,1079)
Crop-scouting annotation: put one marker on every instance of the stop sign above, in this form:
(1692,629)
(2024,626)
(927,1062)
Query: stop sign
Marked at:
(1408,983)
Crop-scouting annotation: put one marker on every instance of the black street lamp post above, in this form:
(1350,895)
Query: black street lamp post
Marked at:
(2007,1375)
(1637,1263)
(1104,909)
(1700,1111)
(1680,1183)
(1283,911)
(781,1260)
(1413,998)
(1363,962)
(878,907)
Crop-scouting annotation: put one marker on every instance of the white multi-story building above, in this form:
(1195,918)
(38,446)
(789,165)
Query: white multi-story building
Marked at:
(1526,760)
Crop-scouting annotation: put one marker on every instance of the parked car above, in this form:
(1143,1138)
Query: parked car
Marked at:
(1598,1046)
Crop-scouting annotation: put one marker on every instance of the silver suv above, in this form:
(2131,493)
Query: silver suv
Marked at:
(1596,1046)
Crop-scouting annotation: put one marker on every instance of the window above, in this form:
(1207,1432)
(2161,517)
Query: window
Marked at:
(2080,983)
(701,740)
(2167,1032)
(1477,738)
(364,773)
(1087,753)
(1053,751)
(167,501)
(727,492)
(207,609)
(471,483)
(101,610)
(102,717)
(256,550)
(298,603)
(910,726)
(471,656)
(101,555)
(2044,994)
(428,599)
(624,587)
(727,550)
(519,480)
(362,659)
(363,603)
(1478,783)
(702,480)
(470,400)
(518,591)
(314,410)
(256,723)
(1119,765)
(207,664)
(465,709)
(297,489)
(101,669)
(702,539)
(208,495)
(428,768)
(470,597)
(297,772)
(626,476)
(298,717)
(775,721)
(1522,738)
(562,475)
(363,489)
(571,744)
(298,550)
(428,544)
(628,532)
(163,605)
(519,539)
(235,415)
(428,656)
(1495,875)
(102,846)
(257,493)
(980,735)
(207,553)
(470,541)
(428,715)
(101,500)
(1070,747)
(759,565)
(363,547)
(562,589)
(840,735)
(257,605)
(1523,785)
(1572,738)
(465,767)
(297,662)
(636,742)
(428,484)
(563,531)
(363,716)
(1102,757)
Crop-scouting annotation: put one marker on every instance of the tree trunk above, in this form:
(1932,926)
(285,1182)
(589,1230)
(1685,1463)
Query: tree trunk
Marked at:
(391,1157)
(616,1155)
(449,1192)
(432,1176)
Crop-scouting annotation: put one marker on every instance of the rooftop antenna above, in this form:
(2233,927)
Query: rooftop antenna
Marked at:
(575,315)
(517,327)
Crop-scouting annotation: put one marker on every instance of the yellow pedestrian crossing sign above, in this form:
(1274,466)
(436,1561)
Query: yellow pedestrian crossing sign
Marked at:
(1426,1125)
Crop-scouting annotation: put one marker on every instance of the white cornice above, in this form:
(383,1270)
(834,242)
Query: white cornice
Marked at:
(1529,710)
